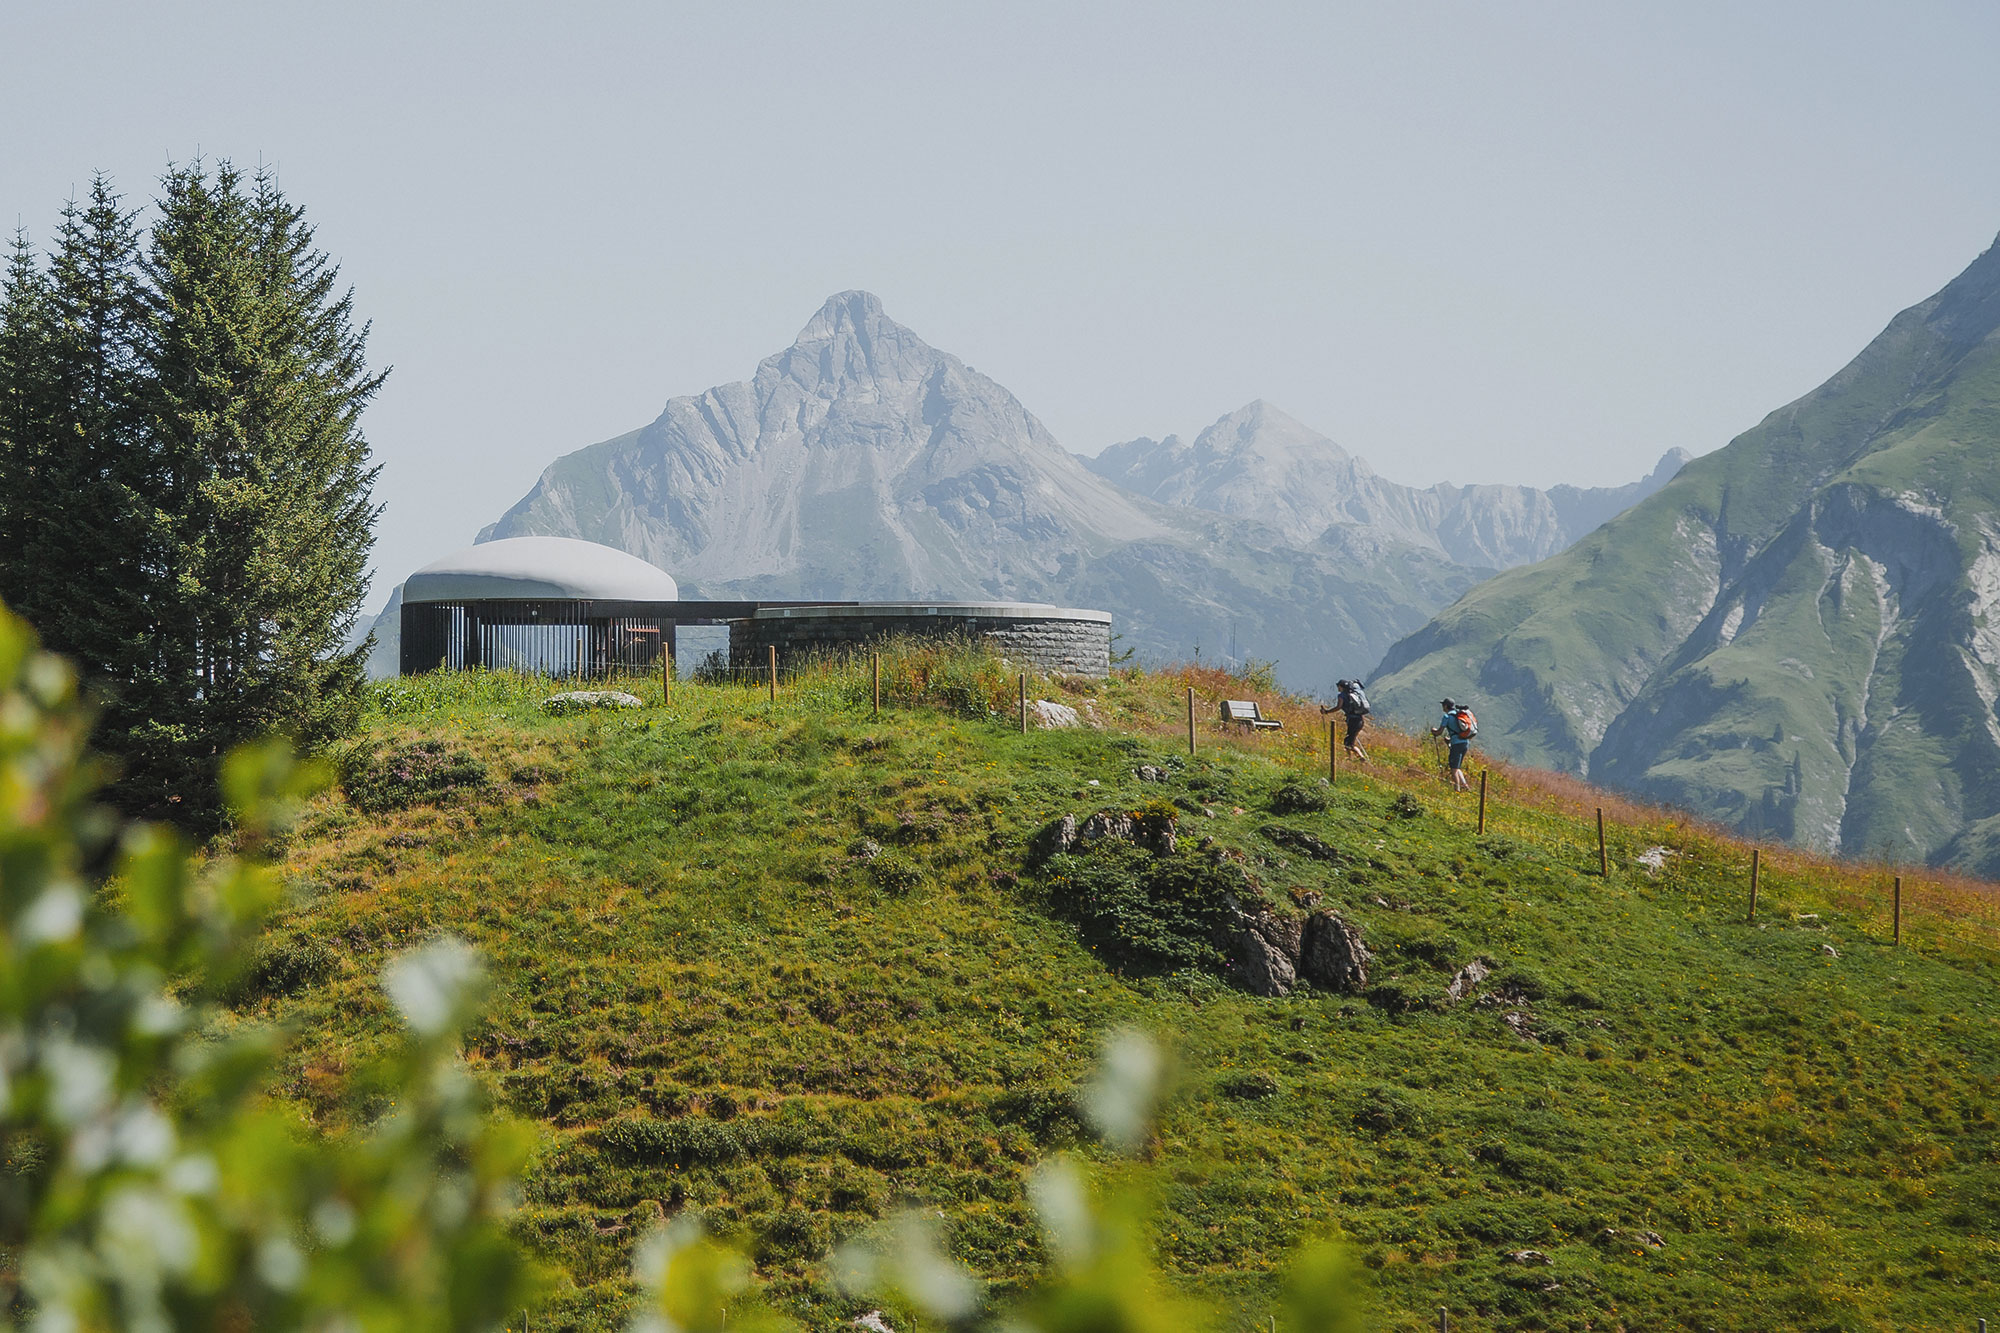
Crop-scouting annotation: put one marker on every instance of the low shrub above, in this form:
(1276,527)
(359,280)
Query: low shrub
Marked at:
(682,1142)
(1385,1108)
(1301,795)
(1252,1087)
(712,669)
(419,773)
(894,873)
(1149,913)
(1050,1114)
(1402,995)
(286,967)
(1520,983)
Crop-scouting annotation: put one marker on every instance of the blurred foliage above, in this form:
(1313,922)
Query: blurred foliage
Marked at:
(150,1182)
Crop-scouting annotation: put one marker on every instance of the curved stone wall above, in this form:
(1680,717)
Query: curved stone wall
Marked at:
(1046,638)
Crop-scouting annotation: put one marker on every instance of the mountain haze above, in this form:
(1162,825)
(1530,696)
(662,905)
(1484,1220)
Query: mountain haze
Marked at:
(1800,634)
(1259,463)
(861,462)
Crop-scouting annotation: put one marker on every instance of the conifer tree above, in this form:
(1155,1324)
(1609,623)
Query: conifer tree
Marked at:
(81,558)
(256,381)
(23,358)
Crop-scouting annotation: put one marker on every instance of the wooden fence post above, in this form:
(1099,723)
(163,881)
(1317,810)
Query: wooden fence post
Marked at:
(1024,703)
(1190,720)
(1756,855)
(666,678)
(1482,800)
(1603,861)
(1899,909)
(1332,753)
(774,673)
(875,683)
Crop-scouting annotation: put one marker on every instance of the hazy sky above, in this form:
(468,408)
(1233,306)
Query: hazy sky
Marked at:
(1475,242)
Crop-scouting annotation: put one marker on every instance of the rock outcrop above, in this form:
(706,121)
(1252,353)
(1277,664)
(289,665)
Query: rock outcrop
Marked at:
(1067,834)
(1332,955)
(1272,953)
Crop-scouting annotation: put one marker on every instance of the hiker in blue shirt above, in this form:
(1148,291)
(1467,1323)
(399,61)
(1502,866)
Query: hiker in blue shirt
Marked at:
(1458,727)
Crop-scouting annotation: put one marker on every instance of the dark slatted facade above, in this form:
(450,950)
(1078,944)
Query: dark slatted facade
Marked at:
(581,638)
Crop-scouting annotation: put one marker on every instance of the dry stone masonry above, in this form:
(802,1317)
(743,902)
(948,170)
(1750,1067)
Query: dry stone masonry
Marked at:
(1060,640)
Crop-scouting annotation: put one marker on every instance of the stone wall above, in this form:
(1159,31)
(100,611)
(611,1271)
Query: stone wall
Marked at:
(1042,638)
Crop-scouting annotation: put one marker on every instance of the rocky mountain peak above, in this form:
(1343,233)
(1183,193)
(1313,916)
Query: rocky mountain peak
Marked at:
(852,343)
(854,315)
(1967,310)
(1259,430)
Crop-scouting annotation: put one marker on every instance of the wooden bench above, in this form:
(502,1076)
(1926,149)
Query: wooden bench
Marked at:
(1246,712)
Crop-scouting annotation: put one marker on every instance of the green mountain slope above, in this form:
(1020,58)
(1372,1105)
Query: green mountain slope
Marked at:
(1798,634)
(795,967)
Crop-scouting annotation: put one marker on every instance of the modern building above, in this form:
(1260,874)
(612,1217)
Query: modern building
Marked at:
(552,605)
(562,607)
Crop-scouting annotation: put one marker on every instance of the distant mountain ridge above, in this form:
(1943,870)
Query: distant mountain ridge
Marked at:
(1259,463)
(860,462)
(1800,634)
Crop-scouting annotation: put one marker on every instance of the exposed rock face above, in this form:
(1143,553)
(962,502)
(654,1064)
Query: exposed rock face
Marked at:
(1332,955)
(1155,835)
(582,701)
(1053,716)
(1272,953)
(1259,463)
(1467,979)
(1797,635)
(1267,953)
(1296,840)
(385,658)
(1057,838)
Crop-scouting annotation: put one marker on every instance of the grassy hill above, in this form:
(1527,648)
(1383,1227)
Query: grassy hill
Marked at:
(792,965)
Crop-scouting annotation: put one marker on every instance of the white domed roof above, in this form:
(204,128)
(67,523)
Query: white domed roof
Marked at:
(530,567)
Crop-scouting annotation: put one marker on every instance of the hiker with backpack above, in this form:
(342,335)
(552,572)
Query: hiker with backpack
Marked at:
(1457,726)
(1352,704)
